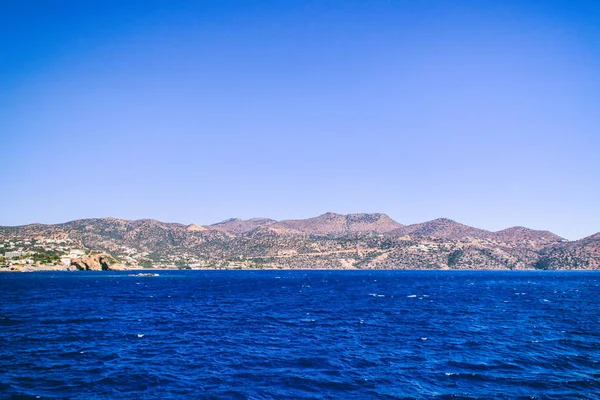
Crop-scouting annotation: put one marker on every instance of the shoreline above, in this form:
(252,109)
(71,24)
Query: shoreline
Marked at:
(156,270)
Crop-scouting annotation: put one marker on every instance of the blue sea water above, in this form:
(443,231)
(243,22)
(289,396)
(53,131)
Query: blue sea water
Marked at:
(301,335)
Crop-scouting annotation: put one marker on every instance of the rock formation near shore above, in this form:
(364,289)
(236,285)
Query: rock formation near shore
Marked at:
(95,262)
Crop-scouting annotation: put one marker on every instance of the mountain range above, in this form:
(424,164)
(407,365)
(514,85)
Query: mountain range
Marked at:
(331,240)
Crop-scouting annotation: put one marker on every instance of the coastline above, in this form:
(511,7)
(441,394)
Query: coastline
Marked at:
(50,268)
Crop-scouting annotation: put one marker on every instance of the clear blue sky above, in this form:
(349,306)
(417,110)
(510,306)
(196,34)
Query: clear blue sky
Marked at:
(486,112)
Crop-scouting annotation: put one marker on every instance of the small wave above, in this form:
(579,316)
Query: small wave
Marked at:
(411,296)
(376,295)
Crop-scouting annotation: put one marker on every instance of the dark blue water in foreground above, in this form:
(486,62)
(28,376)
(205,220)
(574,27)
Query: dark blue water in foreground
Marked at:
(297,334)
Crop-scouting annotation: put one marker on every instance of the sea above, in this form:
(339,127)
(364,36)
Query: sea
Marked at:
(295,334)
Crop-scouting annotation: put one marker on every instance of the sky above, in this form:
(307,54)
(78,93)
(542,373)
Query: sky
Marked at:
(485,112)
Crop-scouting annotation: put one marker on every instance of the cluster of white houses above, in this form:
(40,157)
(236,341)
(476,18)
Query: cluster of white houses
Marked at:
(23,257)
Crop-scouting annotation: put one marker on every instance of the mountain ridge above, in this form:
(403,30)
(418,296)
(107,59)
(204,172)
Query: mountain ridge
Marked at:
(330,240)
(439,227)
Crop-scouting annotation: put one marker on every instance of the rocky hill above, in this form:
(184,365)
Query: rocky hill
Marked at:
(443,228)
(580,254)
(327,241)
(339,224)
(521,234)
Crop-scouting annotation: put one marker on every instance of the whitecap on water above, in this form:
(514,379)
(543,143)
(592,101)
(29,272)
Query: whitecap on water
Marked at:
(140,335)
(376,295)
(412,295)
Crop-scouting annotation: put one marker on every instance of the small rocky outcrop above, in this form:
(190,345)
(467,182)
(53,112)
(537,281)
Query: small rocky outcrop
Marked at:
(94,262)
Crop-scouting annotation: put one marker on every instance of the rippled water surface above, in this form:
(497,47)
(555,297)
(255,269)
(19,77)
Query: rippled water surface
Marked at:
(297,334)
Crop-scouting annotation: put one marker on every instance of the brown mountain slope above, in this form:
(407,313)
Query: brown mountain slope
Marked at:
(580,254)
(519,233)
(443,228)
(238,226)
(339,224)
